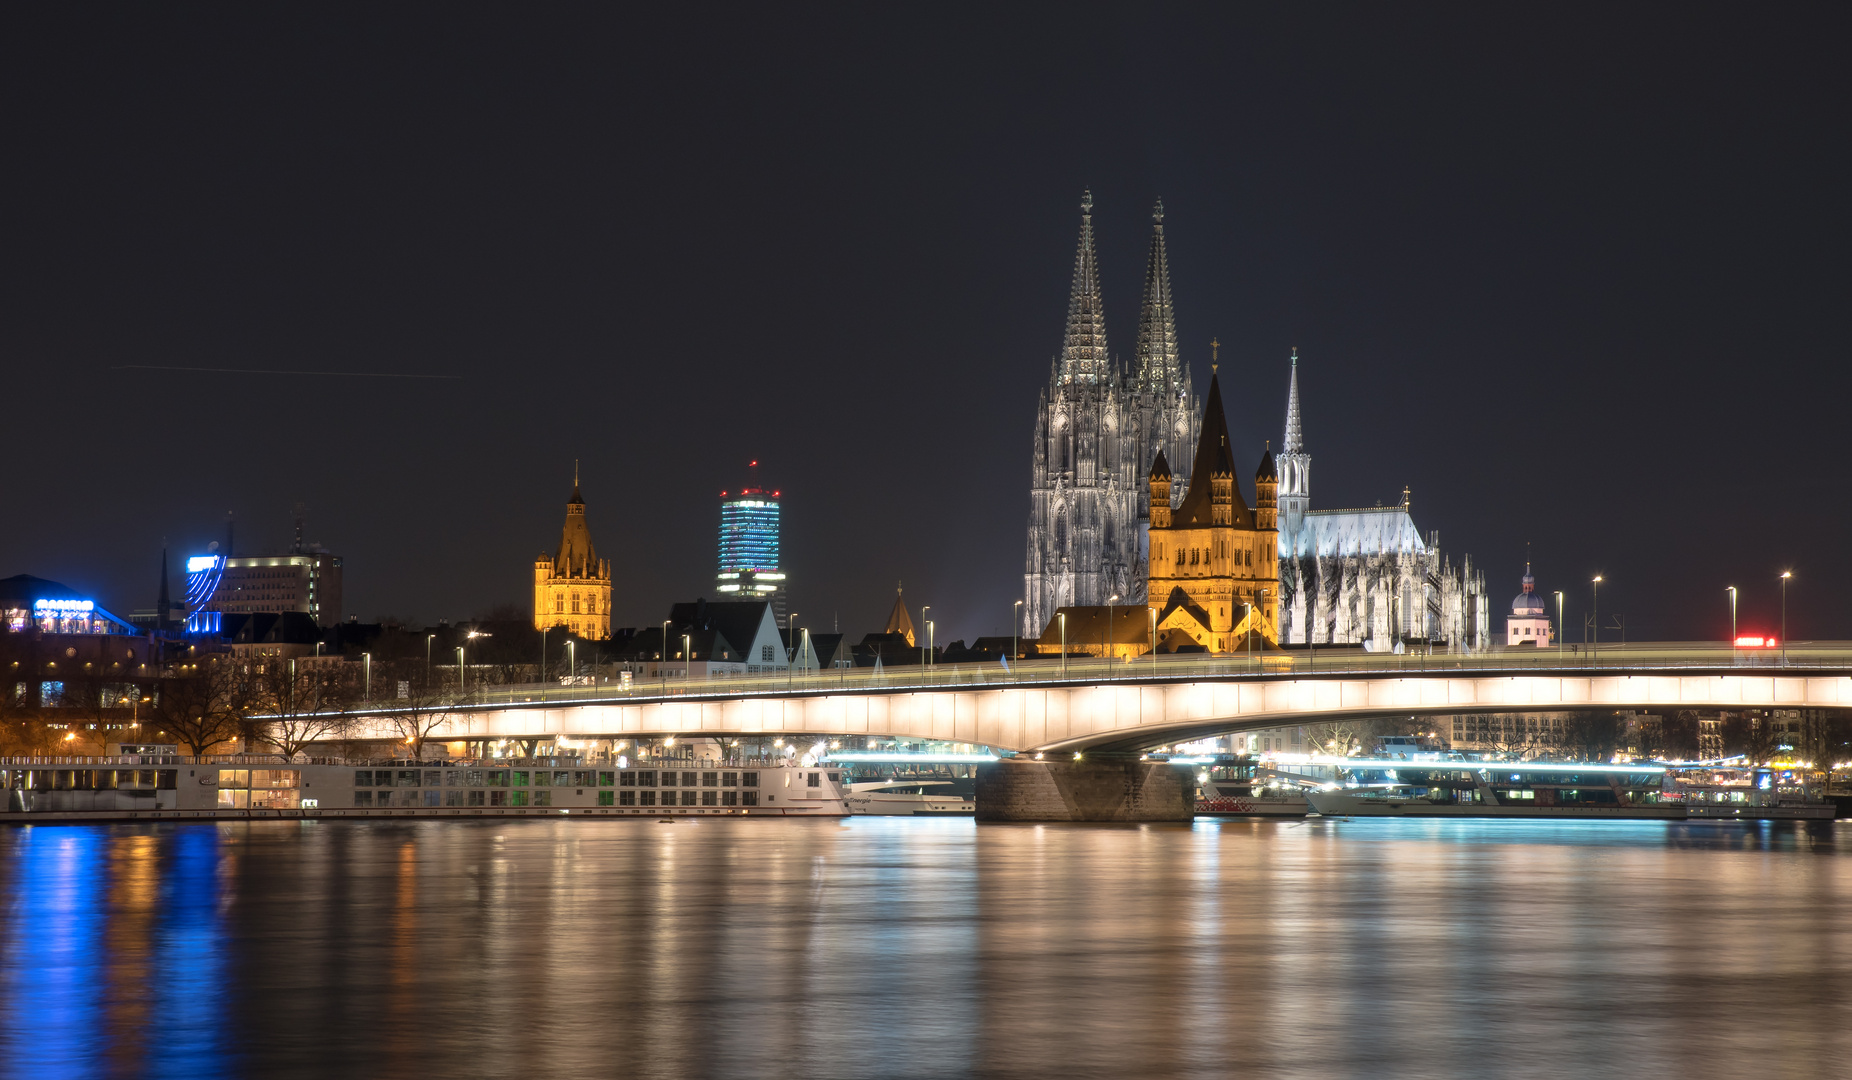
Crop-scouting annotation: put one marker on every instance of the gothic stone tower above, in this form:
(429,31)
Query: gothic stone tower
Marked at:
(572,587)
(1213,559)
(1098,430)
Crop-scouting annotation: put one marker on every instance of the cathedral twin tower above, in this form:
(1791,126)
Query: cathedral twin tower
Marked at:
(1100,429)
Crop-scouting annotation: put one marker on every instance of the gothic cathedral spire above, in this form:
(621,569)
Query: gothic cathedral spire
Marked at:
(1083,350)
(1295,437)
(1157,360)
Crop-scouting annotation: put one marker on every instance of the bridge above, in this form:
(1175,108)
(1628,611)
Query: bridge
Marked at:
(1052,706)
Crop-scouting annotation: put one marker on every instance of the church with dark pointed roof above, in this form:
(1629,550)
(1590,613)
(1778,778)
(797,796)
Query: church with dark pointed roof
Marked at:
(572,586)
(1099,427)
(1212,566)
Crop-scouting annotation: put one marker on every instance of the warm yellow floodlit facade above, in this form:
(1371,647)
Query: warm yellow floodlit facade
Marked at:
(1214,571)
(572,588)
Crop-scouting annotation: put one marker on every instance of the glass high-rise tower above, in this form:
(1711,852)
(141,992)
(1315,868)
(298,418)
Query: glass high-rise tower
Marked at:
(749,553)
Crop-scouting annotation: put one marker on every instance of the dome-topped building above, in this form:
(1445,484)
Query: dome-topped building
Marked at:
(1529,622)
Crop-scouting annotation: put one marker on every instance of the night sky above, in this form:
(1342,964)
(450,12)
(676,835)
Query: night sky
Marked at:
(1577,278)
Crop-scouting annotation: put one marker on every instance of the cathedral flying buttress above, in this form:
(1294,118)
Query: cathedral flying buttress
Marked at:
(1099,428)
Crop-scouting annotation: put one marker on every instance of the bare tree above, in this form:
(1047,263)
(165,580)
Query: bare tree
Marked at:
(300,702)
(1749,736)
(202,706)
(417,706)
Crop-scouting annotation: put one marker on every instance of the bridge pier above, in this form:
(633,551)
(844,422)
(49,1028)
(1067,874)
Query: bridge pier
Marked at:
(1096,788)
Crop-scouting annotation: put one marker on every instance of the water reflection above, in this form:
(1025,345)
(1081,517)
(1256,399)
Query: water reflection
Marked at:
(892,947)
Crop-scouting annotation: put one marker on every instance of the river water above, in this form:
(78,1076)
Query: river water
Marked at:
(901,948)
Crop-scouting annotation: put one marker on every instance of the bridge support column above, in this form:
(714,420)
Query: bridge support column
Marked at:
(1102,788)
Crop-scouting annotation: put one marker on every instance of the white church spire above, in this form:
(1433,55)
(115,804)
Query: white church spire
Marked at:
(1083,350)
(1295,437)
(1295,466)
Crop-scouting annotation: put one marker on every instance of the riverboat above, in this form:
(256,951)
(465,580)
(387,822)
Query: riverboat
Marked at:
(1500,789)
(139,787)
(1238,786)
(922,798)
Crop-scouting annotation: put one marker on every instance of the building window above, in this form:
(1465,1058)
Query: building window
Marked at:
(765,654)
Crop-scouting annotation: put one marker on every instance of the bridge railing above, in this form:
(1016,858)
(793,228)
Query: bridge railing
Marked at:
(670,684)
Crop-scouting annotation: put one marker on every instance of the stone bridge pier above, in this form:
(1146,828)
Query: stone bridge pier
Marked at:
(1097,787)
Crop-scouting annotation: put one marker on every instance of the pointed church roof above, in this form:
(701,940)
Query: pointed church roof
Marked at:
(1214,461)
(898,621)
(1294,442)
(1160,468)
(1266,472)
(1083,350)
(1157,358)
(575,539)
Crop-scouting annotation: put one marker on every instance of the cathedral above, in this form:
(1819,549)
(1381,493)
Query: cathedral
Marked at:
(1366,577)
(1105,483)
(1100,427)
(572,586)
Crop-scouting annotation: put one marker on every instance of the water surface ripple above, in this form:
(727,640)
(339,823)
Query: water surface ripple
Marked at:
(902,948)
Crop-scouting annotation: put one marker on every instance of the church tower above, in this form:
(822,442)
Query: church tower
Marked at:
(572,587)
(1295,464)
(1161,413)
(1083,493)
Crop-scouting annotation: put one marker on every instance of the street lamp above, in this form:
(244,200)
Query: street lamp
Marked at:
(460,669)
(1595,653)
(543,652)
(791,645)
(1785,575)
(1560,640)
(1106,646)
(924,608)
(572,662)
(427,658)
(1015,635)
(1061,617)
(1151,611)
(687,657)
(367,661)
(1732,591)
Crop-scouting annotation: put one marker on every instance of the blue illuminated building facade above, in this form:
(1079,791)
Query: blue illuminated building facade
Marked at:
(750,567)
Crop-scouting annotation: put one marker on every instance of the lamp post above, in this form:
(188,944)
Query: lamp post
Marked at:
(662,657)
(427,658)
(1061,617)
(572,662)
(924,608)
(805,652)
(791,649)
(460,669)
(1785,575)
(1151,611)
(1106,646)
(1595,653)
(543,652)
(367,666)
(687,658)
(1560,643)
(1015,635)
(1732,591)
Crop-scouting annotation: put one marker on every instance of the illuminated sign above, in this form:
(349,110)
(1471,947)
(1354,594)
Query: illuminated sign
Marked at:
(201,562)
(63,606)
(1750,641)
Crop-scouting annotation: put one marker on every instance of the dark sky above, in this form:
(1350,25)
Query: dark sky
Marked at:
(1576,277)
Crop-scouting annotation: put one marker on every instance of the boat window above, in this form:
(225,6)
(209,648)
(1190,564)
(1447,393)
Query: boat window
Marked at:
(749,798)
(434,778)
(473,778)
(646,778)
(815,780)
(564,779)
(520,778)
(688,779)
(688,797)
(363,777)
(626,798)
(835,778)
(729,779)
(649,798)
(668,779)
(749,779)
(408,777)
(729,798)
(710,779)
(606,779)
(627,779)
(710,798)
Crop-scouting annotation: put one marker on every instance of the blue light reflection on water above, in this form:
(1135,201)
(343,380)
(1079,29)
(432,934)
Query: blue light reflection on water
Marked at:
(895,947)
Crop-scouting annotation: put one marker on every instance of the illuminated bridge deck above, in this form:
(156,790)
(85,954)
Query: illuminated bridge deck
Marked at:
(1096,704)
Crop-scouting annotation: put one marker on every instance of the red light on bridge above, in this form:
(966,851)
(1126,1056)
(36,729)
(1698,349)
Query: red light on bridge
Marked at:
(1750,641)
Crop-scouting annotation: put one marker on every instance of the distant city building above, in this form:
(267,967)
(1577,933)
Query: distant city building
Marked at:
(30,603)
(749,546)
(1099,427)
(708,640)
(898,621)
(1529,622)
(572,587)
(1366,577)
